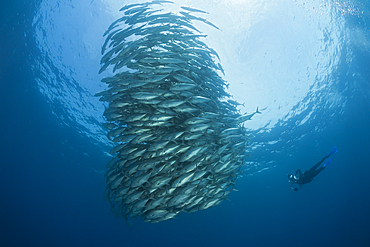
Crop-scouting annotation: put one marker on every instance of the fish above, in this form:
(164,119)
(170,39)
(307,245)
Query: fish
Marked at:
(116,183)
(177,200)
(198,175)
(161,117)
(155,213)
(198,100)
(182,180)
(194,10)
(246,117)
(161,181)
(182,86)
(140,180)
(171,103)
(142,138)
(191,153)
(192,17)
(124,138)
(158,145)
(170,149)
(186,109)
(132,6)
(144,96)
(198,127)
(133,197)
(189,137)
(183,79)
(117,148)
(196,120)
(233,102)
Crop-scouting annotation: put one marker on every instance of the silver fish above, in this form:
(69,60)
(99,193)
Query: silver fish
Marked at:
(194,10)
(171,103)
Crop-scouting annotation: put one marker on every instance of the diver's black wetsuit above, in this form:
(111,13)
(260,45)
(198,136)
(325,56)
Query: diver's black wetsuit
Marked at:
(308,175)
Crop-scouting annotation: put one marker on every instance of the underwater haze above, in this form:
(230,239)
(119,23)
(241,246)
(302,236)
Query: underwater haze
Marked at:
(304,64)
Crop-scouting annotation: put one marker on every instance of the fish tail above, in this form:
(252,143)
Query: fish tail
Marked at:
(258,111)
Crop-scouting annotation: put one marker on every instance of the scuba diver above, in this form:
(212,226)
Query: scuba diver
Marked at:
(308,175)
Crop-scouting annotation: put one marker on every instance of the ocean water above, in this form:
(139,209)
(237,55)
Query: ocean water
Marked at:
(305,64)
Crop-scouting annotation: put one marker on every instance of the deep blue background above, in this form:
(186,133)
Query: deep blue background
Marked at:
(50,196)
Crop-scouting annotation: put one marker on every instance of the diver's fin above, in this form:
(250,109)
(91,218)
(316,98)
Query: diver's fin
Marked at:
(334,150)
(328,162)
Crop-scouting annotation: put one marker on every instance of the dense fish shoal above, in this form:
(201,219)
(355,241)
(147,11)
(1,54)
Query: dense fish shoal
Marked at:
(179,139)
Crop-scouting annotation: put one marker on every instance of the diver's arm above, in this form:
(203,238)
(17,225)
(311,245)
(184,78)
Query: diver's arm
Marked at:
(294,188)
(299,172)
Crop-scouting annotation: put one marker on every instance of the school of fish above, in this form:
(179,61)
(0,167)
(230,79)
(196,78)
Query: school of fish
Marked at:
(179,143)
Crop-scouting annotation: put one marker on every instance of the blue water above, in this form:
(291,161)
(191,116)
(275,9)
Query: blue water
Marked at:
(53,151)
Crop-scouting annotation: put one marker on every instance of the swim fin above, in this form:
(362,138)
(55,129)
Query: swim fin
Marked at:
(334,150)
(328,162)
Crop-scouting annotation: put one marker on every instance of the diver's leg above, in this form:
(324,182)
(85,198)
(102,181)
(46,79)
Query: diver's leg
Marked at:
(318,171)
(318,164)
